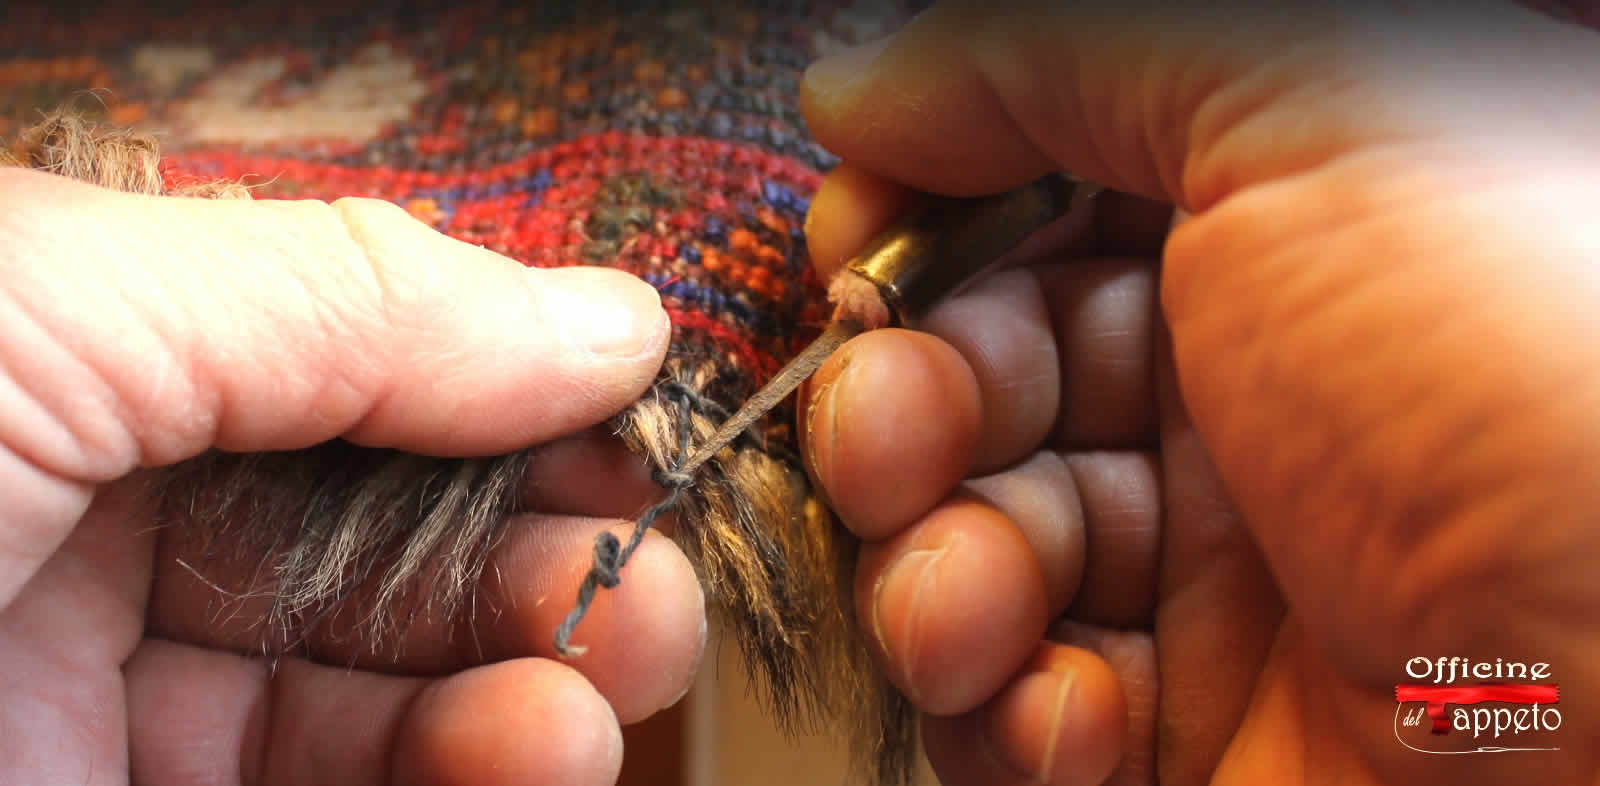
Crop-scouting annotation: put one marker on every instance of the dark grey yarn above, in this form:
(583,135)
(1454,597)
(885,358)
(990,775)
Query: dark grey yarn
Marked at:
(609,554)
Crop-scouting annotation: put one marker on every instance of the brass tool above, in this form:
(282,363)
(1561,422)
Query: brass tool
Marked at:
(934,252)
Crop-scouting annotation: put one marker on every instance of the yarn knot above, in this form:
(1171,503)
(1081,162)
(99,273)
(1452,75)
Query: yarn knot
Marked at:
(672,479)
(607,568)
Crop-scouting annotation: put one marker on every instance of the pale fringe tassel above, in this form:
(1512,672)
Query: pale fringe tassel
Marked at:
(66,144)
(338,530)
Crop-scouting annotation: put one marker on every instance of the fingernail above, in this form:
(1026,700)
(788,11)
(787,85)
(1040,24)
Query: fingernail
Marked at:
(835,77)
(699,655)
(602,310)
(822,420)
(1040,702)
(906,584)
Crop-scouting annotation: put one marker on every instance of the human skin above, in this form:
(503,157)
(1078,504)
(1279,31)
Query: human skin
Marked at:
(138,331)
(1182,505)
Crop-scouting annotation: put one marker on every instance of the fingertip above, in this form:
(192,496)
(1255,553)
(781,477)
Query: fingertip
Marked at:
(1062,721)
(609,313)
(916,107)
(645,637)
(458,330)
(1002,327)
(833,82)
(955,605)
(1041,499)
(894,411)
(850,207)
(527,721)
(1105,319)
(658,634)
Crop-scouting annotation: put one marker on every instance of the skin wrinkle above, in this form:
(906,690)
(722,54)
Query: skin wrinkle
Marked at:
(344,213)
(27,406)
(337,385)
(90,413)
(1331,449)
(991,47)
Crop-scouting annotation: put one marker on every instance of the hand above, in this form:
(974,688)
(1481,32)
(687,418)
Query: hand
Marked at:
(1183,506)
(139,331)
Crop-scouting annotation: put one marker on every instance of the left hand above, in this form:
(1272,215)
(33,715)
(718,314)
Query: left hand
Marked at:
(139,331)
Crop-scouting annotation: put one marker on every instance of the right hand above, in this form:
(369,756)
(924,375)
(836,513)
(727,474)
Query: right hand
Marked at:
(1372,437)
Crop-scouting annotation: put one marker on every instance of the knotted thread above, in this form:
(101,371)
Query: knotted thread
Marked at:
(609,553)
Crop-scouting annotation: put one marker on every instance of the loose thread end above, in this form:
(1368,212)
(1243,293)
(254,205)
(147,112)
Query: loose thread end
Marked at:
(605,572)
(610,555)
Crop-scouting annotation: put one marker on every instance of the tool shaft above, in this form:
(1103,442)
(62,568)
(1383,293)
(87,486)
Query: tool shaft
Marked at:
(787,379)
(925,257)
(949,242)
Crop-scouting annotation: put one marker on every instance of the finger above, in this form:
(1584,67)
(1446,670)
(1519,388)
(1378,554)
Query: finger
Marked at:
(1002,329)
(199,716)
(1075,358)
(1104,311)
(453,735)
(892,409)
(848,209)
(1122,504)
(949,647)
(1131,656)
(1062,721)
(1041,499)
(529,586)
(62,641)
(853,205)
(248,325)
(592,473)
(1092,521)
(1080,369)
(645,637)
(266,325)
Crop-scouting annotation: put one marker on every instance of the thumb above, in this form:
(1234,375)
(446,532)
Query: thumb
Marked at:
(1186,102)
(144,330)
(139,331)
